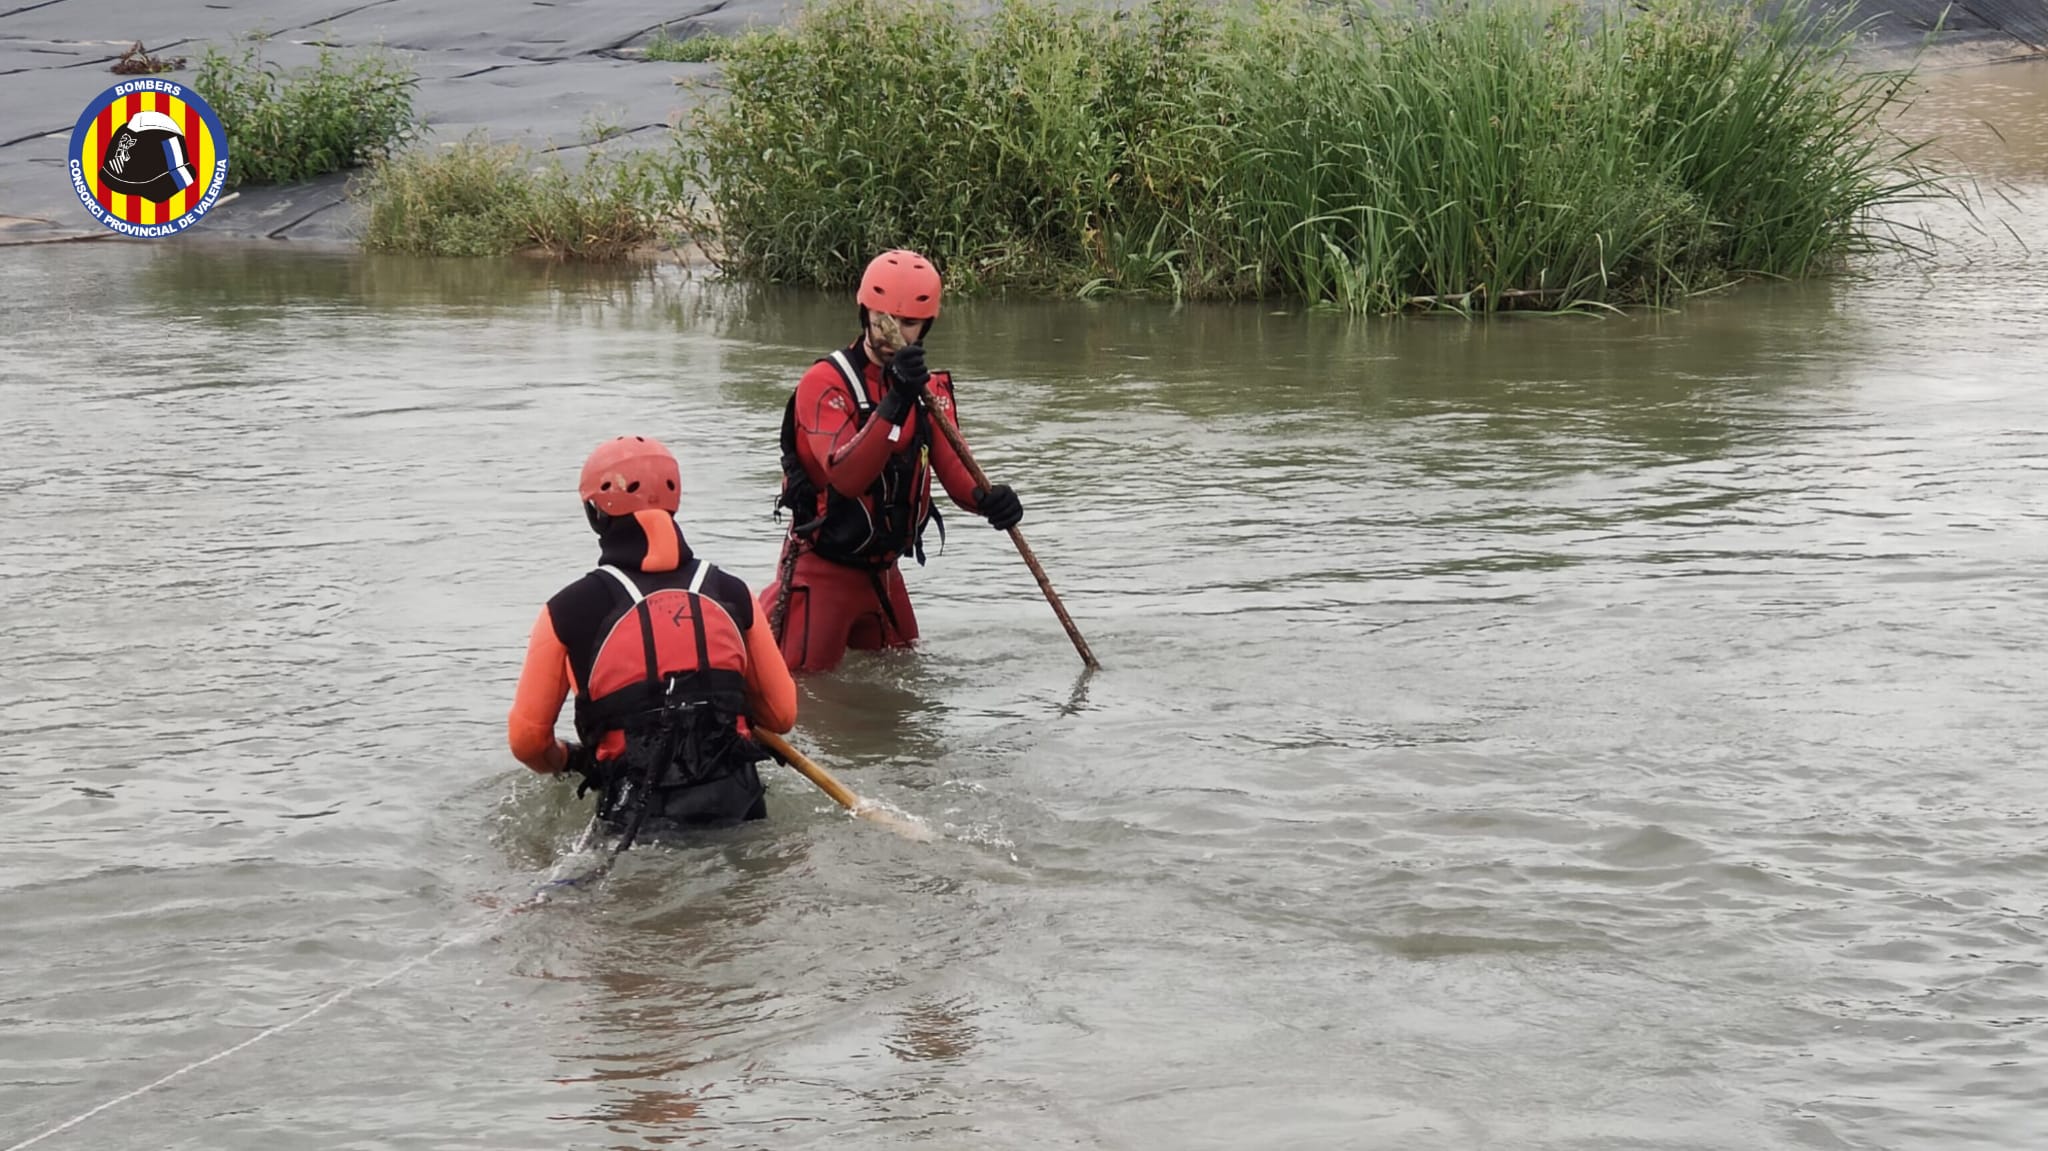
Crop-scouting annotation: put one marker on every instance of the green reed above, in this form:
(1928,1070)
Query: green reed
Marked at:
(474,198)
(1485,155)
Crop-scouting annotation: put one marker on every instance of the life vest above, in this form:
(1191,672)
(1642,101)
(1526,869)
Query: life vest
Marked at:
(886,521)
(666,670)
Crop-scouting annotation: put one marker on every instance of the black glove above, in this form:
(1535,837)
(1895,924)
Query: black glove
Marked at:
(906,375)
(906,370)
(1001,505)
(583,761)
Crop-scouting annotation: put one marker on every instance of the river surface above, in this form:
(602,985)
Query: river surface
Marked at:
(1575,734)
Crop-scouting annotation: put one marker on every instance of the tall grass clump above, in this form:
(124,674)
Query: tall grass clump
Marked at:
(688,50)
(287,126)
(474,198)
(1492,154)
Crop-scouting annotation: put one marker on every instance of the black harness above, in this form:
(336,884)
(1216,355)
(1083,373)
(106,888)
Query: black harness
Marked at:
(848,532)
(685,761)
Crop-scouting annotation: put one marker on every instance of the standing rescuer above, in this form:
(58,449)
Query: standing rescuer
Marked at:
(858,455)
(665,655)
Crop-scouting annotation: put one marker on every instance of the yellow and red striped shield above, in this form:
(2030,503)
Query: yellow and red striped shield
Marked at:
(148,157)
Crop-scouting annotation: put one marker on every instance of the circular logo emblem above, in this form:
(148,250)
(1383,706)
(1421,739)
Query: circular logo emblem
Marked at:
(148,158)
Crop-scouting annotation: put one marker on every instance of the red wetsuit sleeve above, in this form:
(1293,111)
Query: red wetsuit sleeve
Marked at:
(951,469)
(837,453)
(543,683)
(771,692)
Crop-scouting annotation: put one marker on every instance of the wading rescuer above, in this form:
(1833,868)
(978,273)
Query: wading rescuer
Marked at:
(858,454)
(666,657)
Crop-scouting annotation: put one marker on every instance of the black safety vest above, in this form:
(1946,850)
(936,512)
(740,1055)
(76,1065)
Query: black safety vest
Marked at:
(890,518)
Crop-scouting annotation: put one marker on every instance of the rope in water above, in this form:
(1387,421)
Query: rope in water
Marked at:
(557,878)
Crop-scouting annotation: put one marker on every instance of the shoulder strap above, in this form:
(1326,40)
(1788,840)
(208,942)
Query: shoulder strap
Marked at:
(852,378)
(696,582)
(625,581)
(699,569)
(697,602)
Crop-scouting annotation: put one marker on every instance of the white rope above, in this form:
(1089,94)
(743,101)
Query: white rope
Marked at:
(554,880)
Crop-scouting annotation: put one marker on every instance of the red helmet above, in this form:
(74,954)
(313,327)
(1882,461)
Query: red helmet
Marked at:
(901,283)
(630,474)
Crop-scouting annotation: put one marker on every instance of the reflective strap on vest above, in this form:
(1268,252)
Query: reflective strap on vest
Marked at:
(860,391)
(852,378)
(625,581)
(697,581)
(700,569)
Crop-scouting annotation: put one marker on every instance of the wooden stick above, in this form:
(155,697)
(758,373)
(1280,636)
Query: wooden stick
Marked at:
(909,828)
(1016,537)
(893,335)
(778,618)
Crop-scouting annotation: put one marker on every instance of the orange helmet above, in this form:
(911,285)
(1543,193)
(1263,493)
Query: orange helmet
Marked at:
(901,283)
(630,474)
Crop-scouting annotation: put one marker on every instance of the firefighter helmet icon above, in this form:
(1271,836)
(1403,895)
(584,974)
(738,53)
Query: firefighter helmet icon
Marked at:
(148,158)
